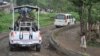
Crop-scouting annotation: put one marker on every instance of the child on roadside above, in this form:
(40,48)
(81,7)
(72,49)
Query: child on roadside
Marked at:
(83,42)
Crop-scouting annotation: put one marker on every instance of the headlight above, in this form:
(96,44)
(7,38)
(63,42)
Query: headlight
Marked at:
(11,41)
(40,40)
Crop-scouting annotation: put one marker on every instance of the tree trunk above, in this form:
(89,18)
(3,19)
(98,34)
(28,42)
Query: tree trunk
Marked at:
(90,18)
(81,21)
(89,22)
(82,17)
(99,29)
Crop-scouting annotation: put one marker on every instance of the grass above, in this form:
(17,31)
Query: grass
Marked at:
(6,20)
(46,19)
(93,43)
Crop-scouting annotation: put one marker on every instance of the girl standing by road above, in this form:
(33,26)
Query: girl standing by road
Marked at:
(83,42)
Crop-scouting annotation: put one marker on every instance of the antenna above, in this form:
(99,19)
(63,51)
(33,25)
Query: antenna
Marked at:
(38,20)
(38,15)
(12,7)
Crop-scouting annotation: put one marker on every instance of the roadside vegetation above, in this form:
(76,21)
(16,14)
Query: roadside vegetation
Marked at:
(94,43)
(6,20)
(47,19)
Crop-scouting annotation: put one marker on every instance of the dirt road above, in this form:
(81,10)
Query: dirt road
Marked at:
(45,51)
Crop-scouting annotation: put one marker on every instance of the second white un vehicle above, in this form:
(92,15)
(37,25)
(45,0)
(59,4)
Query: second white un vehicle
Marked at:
(63,19)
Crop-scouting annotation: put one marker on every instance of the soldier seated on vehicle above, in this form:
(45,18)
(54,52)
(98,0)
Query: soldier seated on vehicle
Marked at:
(17,22)
(34,27)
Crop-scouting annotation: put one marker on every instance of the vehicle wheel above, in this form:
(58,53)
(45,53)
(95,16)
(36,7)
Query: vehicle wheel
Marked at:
(57,26)
(68,23)
(74,22)
(38,47)
(11,48)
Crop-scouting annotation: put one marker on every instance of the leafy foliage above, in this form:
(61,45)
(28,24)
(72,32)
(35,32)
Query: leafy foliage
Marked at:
(5,21)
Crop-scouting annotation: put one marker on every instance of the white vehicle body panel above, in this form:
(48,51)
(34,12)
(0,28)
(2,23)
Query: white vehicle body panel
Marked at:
(15,39)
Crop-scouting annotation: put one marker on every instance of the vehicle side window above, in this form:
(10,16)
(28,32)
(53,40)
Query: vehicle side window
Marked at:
(70,17)
(67,17)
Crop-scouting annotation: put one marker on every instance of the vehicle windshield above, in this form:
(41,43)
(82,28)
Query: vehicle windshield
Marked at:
(26,26)
(25,29)
(60,16)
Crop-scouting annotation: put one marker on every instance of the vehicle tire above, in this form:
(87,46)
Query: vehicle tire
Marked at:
(74,22)
(57,26)
(68,23)
(11,48)
(38,47)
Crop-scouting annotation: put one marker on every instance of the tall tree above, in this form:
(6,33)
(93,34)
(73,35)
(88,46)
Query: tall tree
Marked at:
(85,9)
(80,5)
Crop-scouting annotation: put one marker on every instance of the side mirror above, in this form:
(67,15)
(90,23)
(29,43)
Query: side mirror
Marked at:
(10,28)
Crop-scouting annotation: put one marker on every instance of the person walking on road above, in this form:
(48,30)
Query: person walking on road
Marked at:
(83,42)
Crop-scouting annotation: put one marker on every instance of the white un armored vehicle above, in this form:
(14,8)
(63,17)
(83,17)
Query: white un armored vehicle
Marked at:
(24,31)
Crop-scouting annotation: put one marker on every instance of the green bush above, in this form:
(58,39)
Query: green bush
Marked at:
(76,15)
(93,43)
(45,19)
(6,20)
